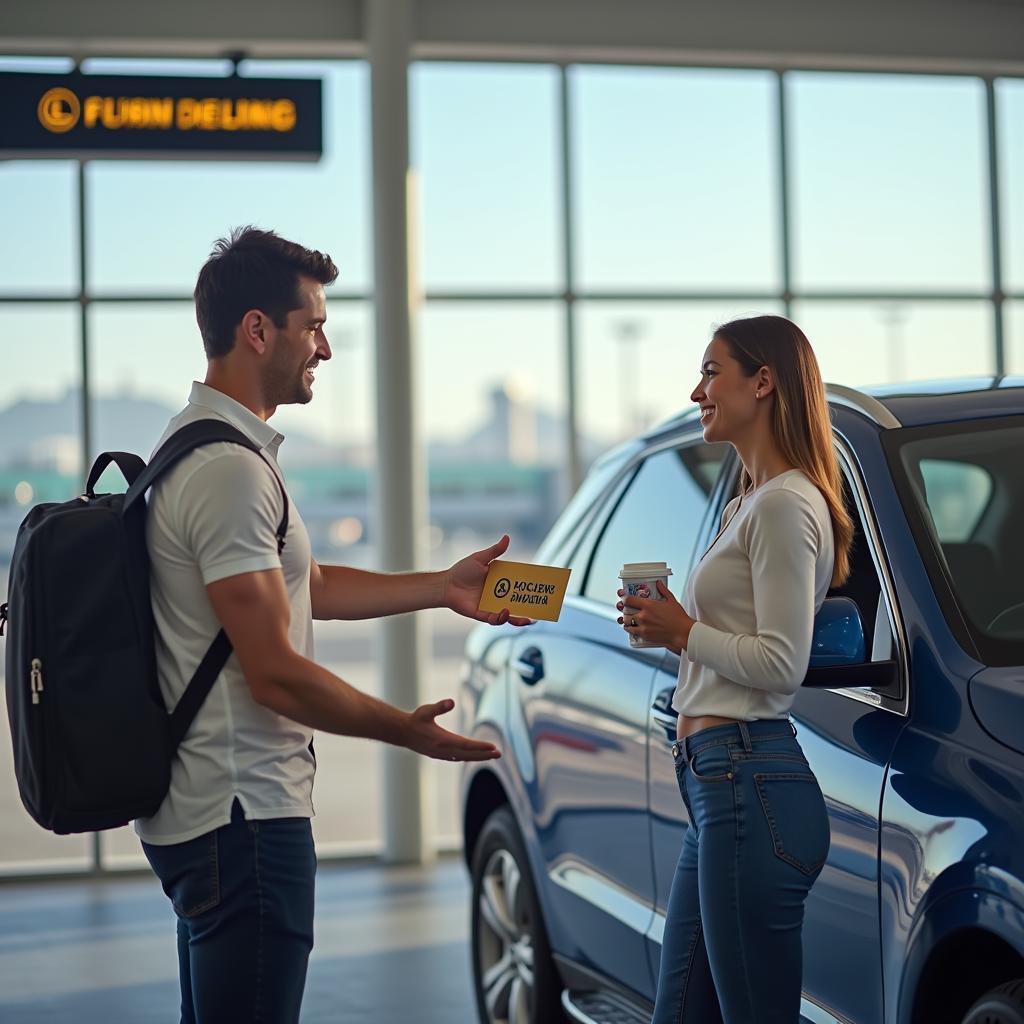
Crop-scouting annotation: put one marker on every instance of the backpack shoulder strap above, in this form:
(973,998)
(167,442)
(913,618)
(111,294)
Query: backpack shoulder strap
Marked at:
(198,689)
(184,441)
(171,452)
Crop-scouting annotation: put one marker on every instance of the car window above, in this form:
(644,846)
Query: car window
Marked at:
(958,493)
(863,585)
(658,517)
(580,545)
(563,538)
(963,487)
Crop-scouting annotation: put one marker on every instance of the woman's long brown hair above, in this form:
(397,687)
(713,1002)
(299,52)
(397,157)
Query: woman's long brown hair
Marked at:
(800,417)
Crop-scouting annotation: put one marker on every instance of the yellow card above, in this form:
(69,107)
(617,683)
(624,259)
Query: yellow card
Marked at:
(533,591)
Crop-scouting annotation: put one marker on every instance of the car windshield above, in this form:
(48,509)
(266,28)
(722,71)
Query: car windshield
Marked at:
(966,483)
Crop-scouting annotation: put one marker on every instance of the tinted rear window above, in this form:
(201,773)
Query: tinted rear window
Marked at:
(965,485)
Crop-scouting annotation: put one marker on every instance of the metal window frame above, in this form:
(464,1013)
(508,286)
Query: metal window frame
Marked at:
(570,293)
(850,468)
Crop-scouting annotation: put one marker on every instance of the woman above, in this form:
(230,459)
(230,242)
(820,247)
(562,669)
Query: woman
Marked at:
(759,831)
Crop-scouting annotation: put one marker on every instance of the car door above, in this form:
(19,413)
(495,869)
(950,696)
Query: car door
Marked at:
(848,736)
(667,812)
(585,695)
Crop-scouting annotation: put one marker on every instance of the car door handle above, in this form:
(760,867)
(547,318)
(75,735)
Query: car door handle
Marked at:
(664,715)
(666,721)
(530,666)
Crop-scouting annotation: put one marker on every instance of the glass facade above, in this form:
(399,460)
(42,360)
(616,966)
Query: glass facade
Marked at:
(674,180)
(889,183)
(604,218)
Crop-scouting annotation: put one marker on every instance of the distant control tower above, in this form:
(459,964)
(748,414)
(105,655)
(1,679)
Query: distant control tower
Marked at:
(514,421)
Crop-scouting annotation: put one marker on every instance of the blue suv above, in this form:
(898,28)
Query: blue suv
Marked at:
(912,717)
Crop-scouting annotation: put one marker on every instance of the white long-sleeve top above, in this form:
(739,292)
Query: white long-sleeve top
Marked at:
(754,594)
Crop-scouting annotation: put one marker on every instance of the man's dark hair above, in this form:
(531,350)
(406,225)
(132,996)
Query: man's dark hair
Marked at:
(252,269)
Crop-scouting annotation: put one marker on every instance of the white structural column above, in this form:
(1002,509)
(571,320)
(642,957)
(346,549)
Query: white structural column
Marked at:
(401,484)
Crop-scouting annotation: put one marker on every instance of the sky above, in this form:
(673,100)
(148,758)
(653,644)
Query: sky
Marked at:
(674,186)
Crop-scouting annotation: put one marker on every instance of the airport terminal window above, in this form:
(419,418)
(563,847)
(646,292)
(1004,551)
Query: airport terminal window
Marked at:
(39,213)
(658,518)
(40,413)
(493,412)
(1010,132)
(1014,319)
(40,460)
(493,417)
(891,181)
(485,148)
(870,342)
(188,204)
(670,167)
(143,359)
(145,355)
(638,362)
(639,301)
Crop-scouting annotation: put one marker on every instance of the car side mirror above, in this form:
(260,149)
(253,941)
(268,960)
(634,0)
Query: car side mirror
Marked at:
(838,637)
(839,653)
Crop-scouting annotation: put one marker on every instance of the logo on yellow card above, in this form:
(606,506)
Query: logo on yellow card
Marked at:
(533,591)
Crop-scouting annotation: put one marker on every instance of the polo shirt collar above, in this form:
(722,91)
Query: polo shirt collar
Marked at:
(261,432)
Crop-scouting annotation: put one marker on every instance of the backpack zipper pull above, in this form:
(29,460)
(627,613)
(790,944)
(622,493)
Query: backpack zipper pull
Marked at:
(37,679)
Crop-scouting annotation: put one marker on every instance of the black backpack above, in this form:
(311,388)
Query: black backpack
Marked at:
(93,743)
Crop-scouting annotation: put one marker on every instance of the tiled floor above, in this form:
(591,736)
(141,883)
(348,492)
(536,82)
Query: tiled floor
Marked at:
(391,946)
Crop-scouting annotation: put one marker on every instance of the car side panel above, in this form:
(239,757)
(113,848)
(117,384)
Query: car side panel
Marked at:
(983,907)
(578,738)
(953,823)
(482,708)
(487,713)
(847,744)
(952,813)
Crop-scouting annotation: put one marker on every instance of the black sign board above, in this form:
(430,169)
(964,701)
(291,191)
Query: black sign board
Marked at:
(142,116)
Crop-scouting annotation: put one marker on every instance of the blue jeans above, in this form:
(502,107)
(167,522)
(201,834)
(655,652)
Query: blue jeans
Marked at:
(758,839)
(243,895)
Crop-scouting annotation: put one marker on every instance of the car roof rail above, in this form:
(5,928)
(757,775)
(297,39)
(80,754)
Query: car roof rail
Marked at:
(867,405)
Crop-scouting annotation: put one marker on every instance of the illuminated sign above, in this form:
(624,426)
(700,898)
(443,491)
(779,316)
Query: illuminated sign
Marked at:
(149,116)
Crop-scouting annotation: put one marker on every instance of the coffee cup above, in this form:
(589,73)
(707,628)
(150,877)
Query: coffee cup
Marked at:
(640,579)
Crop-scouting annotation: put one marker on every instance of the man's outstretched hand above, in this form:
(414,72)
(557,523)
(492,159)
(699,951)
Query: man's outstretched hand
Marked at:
(428,738)
(464,586)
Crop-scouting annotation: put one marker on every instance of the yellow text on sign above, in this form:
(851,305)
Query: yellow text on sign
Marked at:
(59,110)
(534,591)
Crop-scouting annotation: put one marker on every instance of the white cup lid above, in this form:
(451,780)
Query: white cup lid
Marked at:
(645,569)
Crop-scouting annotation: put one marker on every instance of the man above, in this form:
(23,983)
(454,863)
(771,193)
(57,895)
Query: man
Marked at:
(232,843)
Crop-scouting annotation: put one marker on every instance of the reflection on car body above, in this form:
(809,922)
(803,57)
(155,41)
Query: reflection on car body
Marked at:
(916,735)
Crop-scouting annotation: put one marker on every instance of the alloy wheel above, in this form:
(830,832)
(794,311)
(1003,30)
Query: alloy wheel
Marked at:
(506,942)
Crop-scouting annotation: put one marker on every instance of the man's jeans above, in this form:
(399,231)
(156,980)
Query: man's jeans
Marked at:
(243,895)
(758,839)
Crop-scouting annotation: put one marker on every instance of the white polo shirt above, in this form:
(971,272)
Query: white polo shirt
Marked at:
(215,515)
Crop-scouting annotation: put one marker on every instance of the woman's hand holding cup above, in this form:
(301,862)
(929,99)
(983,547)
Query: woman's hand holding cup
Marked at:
(656,621)
(641,582)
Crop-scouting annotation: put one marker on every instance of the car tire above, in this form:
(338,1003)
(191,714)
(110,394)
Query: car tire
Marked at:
(514,976)
(1003,1005)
